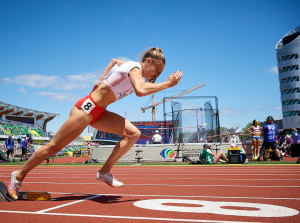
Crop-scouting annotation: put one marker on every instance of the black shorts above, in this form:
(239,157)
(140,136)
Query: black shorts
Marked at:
(24,151)
(10,152)
(269,145)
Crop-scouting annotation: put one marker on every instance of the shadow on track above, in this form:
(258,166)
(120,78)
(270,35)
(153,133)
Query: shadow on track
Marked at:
(101,199)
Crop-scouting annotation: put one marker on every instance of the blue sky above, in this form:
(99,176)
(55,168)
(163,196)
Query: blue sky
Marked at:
(53,51)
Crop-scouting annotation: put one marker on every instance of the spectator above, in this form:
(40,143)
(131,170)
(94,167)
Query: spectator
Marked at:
(23,145)
(9,146)
(262,151)
(89,149)
(156,139)
(295,136)
(287,147)
(207,155)
(255,129)
(270,131)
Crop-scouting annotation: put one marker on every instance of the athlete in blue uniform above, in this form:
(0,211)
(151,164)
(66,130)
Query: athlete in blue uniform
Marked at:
(24,143)
(9,146)
(270,132)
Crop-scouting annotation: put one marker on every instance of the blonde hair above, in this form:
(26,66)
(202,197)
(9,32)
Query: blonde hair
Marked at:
(154,53)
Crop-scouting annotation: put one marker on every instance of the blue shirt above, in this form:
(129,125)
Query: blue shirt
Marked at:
(295,137)
(24,143)
(270,132)
(9,144)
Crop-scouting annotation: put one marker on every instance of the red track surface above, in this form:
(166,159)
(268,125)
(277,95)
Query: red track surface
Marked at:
(190,193)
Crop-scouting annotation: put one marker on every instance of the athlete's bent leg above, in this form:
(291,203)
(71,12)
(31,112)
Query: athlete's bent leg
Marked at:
(113,123)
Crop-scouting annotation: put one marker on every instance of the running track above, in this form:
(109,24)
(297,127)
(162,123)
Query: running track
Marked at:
(159,194)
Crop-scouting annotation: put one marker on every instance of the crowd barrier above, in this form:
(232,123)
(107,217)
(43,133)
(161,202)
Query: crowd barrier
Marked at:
(165,152)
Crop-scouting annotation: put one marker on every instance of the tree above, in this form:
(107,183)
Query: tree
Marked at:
(250,124)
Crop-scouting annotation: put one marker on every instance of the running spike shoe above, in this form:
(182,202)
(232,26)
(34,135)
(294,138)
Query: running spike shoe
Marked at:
(109,179)
(13,186)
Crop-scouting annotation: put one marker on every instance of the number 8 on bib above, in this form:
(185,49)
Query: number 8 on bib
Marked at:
(88,106)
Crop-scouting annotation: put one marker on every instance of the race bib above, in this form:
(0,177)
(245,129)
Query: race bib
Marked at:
(88,106)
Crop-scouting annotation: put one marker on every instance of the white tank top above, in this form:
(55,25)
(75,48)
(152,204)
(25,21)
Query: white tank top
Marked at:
(255,129)
(117,79)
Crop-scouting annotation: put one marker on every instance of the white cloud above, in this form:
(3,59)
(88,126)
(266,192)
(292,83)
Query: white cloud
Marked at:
(277,108)
(231,111)
(272,108)
(81,81)
(69,82)
(273,70)
(125,59)
(7,79)
(22,90)
(59,96)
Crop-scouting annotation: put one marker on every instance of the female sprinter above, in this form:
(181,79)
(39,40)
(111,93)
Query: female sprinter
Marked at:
(118,80)
(255,129)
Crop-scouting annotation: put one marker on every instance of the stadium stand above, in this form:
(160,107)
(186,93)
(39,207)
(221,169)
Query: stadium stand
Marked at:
(19,121)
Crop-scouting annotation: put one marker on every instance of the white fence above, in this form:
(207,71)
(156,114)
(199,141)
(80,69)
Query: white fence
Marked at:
(151,153)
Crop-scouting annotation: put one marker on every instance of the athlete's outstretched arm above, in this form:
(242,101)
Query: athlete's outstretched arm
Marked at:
(143,88)
(112,63)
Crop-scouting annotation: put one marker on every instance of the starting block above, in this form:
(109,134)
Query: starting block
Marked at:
(4,197)
(23,195)
(34,196)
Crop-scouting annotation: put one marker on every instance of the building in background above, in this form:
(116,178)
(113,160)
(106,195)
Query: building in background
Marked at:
(288,52)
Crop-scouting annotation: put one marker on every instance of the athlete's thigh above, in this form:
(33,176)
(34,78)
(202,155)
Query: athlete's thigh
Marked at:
(72,128)
(257,142)
(113,123)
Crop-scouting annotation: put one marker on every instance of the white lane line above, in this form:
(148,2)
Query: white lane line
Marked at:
(175,174)
(164,171)
(170,185)
(159,178)
(200,170)
(175,168)
(124,217)
(155,178)
(68,204)
(183,185)
(181,196)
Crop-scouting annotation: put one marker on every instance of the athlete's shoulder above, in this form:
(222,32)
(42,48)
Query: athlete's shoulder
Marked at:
(129,65)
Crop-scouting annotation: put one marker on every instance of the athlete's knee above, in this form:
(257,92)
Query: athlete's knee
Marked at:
(137,134)
(134,135)
(221,153)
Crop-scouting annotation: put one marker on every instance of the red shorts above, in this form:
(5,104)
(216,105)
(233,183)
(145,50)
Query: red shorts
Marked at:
(88,105)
